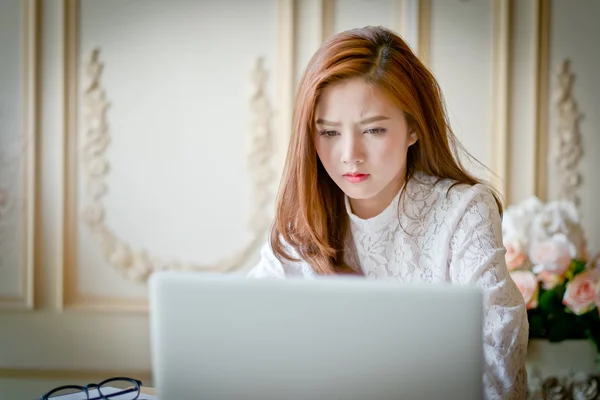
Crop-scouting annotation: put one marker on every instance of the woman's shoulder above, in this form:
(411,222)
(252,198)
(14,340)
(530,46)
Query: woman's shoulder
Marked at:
(270,265)
(449,196)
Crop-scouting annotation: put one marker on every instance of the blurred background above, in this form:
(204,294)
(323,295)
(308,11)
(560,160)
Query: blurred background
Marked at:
(139,135)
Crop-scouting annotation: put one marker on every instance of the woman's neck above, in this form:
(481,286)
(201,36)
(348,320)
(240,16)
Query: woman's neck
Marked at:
(372,207)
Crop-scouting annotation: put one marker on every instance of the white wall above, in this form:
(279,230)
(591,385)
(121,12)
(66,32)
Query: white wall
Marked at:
(461,60)
(574,36)
(178,81)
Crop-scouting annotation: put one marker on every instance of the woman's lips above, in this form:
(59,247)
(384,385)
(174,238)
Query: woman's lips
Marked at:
(356,177)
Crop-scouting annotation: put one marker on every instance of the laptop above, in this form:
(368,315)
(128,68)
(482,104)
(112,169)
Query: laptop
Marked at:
(229,337)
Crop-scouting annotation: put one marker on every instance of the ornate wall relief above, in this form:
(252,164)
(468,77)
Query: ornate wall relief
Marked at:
(138,264)
(18,125)
(567,148)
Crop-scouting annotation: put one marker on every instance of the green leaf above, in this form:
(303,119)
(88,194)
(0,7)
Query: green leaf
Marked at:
(576,267)
(536,326)
(550,301)
(563,327)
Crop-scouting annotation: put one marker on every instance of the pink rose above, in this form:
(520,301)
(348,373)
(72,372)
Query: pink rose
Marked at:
(549,279)
(580,295)
(515,256)
(553,255)
(528,286)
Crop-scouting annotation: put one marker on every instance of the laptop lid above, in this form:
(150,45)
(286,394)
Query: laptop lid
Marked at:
(229,337)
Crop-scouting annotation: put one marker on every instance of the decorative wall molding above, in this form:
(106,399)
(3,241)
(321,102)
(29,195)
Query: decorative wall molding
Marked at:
(567,148)
(286,75)
(413,23)
(541,23)
(412,20)
(22,204)
(407,21)
(69,296)
(424,32)
(501,83)
(327,24)
(136,264)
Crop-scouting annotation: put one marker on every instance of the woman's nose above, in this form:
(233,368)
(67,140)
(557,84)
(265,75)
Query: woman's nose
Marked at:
(352,152)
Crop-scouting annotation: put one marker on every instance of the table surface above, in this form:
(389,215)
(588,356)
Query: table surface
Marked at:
(147,390)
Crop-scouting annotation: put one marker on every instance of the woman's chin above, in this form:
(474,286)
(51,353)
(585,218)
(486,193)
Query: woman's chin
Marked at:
(358,193)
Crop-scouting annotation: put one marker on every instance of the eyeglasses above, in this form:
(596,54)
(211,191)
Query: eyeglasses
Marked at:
(119,388)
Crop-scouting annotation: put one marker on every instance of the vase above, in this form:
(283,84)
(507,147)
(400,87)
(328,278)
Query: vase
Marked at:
(560,359)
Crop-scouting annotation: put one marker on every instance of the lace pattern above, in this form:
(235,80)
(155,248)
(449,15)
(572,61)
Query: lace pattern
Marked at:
(440,234)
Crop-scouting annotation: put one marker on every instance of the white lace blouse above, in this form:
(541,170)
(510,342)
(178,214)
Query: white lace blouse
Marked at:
(442,236)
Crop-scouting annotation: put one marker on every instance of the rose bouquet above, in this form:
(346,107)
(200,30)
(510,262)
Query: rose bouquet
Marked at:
(546,256)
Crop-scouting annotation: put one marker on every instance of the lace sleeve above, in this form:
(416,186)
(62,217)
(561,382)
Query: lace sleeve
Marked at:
(477,257)
(268,265)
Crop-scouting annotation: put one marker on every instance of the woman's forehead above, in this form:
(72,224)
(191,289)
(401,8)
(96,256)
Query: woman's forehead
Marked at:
(353,97)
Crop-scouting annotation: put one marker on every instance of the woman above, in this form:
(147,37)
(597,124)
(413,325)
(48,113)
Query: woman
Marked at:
(371,186)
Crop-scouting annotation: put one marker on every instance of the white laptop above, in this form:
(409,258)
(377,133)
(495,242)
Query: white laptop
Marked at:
(226,337)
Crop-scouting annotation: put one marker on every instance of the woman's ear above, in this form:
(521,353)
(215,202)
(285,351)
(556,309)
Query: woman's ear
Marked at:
(412,138)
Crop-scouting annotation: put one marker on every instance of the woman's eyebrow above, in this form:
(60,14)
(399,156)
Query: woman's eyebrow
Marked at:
(376,118)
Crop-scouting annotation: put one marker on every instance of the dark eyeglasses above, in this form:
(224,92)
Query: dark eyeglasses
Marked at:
(119,388)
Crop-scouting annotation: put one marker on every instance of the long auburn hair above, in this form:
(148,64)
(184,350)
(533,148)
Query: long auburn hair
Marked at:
(310,214)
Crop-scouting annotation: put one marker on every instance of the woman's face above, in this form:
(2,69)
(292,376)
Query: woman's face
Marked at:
(362,140)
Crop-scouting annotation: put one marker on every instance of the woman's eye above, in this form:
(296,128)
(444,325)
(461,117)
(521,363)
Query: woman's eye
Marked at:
(375,131)
(328,134)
